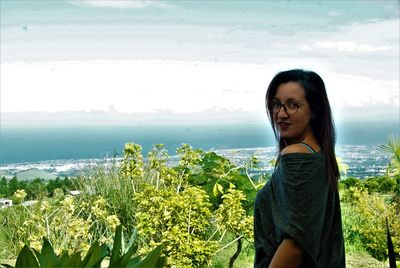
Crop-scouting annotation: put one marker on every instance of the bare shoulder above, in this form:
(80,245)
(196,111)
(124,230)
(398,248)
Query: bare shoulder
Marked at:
(295,148)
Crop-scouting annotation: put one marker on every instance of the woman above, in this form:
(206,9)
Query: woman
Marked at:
(297,221)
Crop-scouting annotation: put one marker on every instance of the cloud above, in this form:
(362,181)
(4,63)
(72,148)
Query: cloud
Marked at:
(347,46)
(131,86)
(359,91)
(370,37)
(179,86)
(120,4)
(334,13)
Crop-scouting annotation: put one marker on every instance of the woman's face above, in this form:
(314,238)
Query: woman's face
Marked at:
(293,119)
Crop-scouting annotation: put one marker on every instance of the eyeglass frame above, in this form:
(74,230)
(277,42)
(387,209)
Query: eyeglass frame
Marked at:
(284,105)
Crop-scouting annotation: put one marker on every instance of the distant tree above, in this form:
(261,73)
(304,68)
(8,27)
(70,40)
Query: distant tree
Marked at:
(13,185)
(68,184)
(351,182)
(3,187)
(37,189)
(54,184)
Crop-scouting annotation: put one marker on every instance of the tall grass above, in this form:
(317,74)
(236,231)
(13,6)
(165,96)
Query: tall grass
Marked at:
(10,220)
(106,181)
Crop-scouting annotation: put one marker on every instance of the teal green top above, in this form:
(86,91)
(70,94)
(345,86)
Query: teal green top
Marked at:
(298,203)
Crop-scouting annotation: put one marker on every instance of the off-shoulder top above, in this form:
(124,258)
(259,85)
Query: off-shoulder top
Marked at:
(298,203)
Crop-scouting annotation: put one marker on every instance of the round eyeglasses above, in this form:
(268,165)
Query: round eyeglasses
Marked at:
(290,107)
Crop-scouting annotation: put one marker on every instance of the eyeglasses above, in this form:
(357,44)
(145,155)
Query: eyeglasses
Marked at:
(291,107)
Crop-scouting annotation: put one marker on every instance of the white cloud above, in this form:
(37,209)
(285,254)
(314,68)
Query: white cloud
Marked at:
(131,86)
(178,86)
(357,91)
(375,36)
(306,47)
(334,13)
(120,4)
(349,46)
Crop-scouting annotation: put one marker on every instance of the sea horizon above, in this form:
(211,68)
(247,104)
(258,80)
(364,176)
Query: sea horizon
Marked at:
(65,150)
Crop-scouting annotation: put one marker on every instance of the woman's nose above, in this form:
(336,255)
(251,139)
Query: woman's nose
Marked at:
(282,113)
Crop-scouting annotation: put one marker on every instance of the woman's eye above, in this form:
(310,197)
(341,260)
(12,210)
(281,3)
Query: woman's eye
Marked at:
(276,104)
(292,105)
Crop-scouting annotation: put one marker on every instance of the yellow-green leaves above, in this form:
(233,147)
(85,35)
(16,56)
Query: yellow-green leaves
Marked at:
(231,215)
(364,217)
(19,196)
(68,224)
(179,221)
(393,147)
(343,168)
(132,163)
(218,189)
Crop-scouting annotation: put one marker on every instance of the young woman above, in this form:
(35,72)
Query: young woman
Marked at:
(297,221)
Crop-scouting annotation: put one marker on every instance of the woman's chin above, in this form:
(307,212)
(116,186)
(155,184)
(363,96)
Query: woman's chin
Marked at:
(285,134)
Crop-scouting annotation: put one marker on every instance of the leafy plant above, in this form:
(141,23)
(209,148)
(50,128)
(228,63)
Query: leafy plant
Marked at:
(119,259)
(230,216)
(393,147)
(217,174)
(179,221)
(364,221)
(71,225)
(182,200)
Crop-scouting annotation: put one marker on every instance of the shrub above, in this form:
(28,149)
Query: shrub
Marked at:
(364,222)
(179,221)
(70,225)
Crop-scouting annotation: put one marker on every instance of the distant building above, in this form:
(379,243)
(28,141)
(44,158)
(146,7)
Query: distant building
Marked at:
(74,192)
(5,203)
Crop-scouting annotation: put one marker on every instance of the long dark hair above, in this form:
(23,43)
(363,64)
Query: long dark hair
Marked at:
(321,121)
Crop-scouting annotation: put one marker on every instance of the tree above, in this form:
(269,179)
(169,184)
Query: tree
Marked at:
(3,187)
(393,147)
(13,185)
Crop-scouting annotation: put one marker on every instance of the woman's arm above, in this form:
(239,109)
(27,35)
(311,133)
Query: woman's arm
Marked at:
(288,255)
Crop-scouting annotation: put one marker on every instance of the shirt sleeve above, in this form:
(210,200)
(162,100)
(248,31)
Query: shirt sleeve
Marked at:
(303,189)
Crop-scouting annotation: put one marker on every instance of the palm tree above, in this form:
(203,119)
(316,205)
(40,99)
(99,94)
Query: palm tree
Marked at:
(393,147)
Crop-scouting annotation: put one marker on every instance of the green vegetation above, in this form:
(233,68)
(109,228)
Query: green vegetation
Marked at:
(197,213)
(193,205)
(119,258)
(35,189)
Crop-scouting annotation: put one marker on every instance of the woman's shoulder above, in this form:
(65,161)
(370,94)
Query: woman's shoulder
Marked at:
(297,152)
(295,148)
(298,156)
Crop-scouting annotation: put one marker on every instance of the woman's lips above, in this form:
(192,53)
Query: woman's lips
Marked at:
(283,125)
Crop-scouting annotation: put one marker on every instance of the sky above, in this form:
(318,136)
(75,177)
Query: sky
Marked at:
(193,58)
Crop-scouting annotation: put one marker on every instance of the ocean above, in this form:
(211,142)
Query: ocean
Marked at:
(67,151)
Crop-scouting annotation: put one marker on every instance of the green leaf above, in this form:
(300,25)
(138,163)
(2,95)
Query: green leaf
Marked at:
(26,258)
(152,259)
(123,261)
(133,262)
(215,190)
(37,253)
(220,188)
(116,251)
(71,261)
(47,258)
(132,239)
(95,256)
